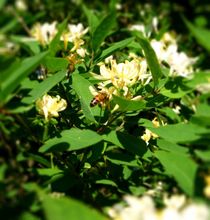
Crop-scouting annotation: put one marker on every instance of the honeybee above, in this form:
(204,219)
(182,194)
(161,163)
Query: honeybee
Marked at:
(100,99)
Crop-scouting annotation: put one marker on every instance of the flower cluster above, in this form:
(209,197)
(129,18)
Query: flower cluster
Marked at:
(50,106)
(44,33)
(119,78)
(175,207)
(166,49)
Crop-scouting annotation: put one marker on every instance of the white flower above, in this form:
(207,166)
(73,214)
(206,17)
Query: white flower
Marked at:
(76,31)
(137,209)
(138,27)
(74,34)
(175,201)
(177,109)
(122,75)
(167,50)
(21,5)
(82,52)
(44,33)
(195,212)
(143,208)
(50,106)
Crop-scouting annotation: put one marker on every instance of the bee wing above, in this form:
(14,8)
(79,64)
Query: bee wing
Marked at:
(93,90)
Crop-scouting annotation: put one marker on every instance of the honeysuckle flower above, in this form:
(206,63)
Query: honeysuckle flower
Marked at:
(139,27)
(76,31)
(21,5)
(74,34)
(144,208)
(136,209)
(175,201)
(77,44)
(206,189)
(121,75)
(167,50)
(50,106)
(81,52)
(148,134)
(44,33)
(177,109)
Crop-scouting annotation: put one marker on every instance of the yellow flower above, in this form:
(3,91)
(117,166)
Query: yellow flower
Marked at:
(207,187)
(50,106)
(148,134)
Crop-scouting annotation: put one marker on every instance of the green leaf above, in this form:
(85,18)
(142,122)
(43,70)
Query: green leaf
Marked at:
(29,156)
(175,88)
(73,139)
(122,159)
(129,105)
(28,216)
(201,117)
(127,141)
(81,87)
(106,182)
(49,171)
(114,47)
(202,35)
(54,64)
(32,45)
(66,208)
(2,3)
(151,58)
(13,79)
(198,79)
(203,155)
(171,147)
(181,167)
(54,44)
(92,18)
(103,30)
(180,133)
(44,87)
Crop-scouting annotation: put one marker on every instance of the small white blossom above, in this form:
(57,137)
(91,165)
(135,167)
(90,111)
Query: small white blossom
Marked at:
(76,31)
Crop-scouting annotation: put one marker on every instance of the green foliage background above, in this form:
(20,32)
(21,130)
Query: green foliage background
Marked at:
(89,157)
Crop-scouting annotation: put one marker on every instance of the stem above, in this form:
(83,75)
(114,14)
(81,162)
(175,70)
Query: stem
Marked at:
(51,160)
(108,122)
(45,132)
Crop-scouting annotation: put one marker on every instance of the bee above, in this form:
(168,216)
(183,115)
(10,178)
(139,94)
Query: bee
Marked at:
(100,99)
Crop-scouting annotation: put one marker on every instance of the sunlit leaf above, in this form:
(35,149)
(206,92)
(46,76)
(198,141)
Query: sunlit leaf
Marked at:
(127,141)
(43,87)
(181,167)
(129,105)
(151,58)
(202,35)
(81,87)
(67,208)
(114,47)
(103,30)
(73,139)
(13,79)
